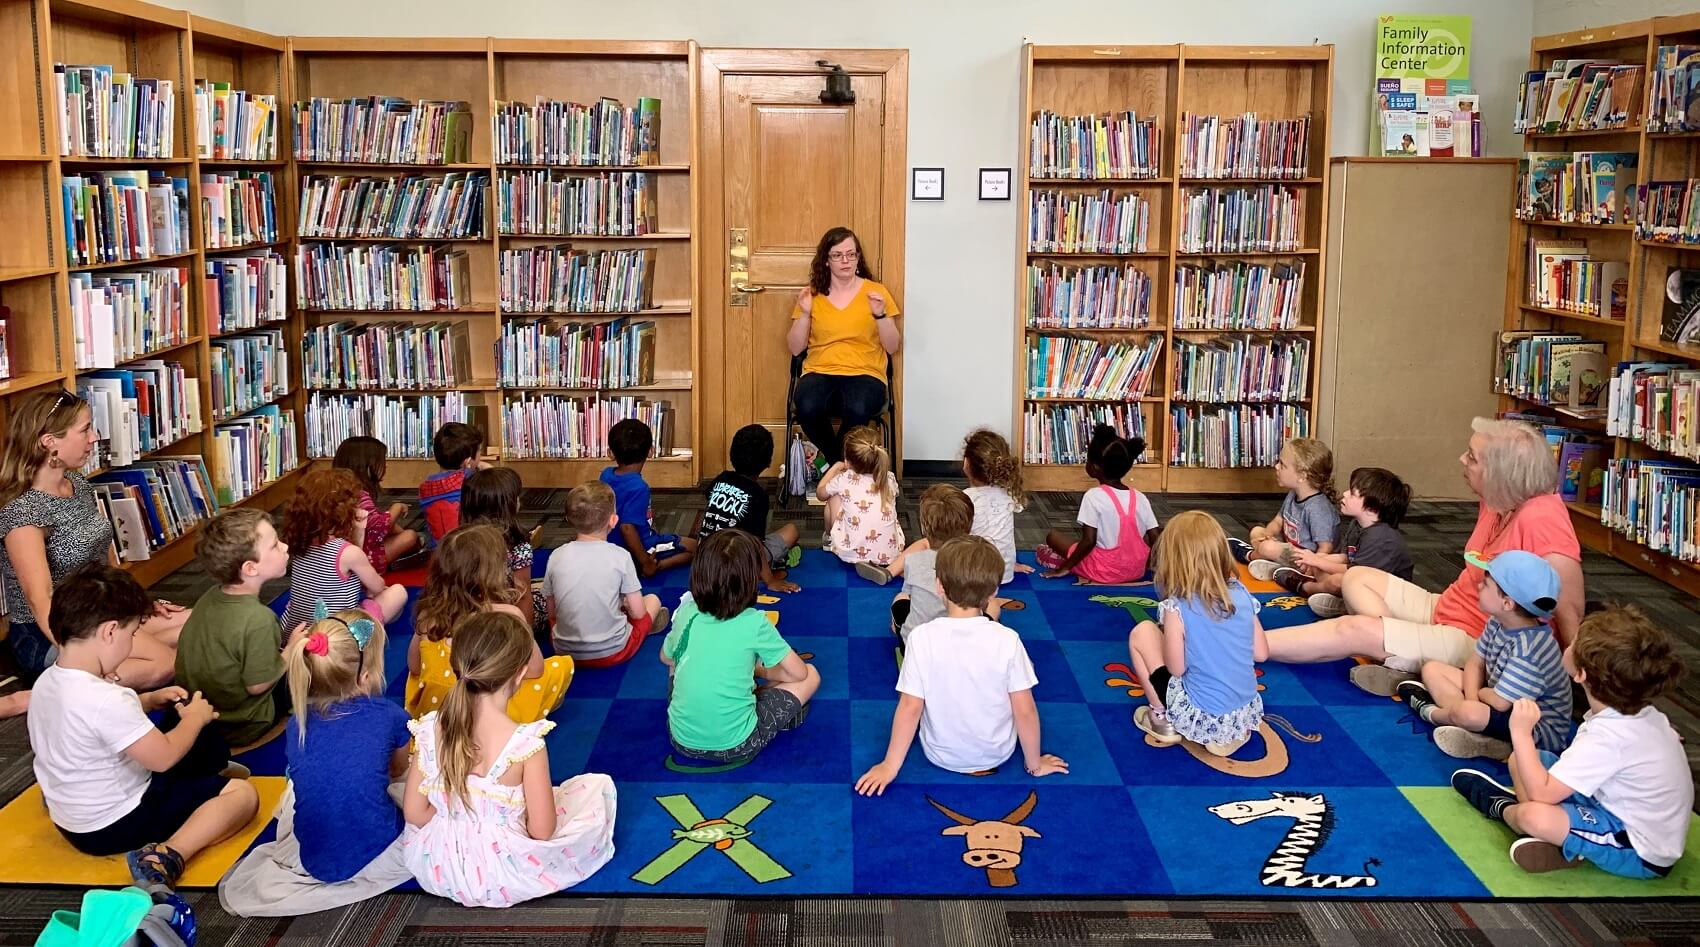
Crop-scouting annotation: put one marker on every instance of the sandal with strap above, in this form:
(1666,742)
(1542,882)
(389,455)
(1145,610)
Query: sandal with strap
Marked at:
(154,864)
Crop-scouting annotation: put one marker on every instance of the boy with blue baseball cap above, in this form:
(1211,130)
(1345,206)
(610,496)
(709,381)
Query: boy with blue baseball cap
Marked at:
(1516,657)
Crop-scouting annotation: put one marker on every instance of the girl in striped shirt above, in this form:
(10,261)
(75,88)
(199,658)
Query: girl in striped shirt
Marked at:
(323,529)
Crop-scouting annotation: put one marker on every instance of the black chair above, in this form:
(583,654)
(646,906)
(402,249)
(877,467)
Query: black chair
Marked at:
(887,419)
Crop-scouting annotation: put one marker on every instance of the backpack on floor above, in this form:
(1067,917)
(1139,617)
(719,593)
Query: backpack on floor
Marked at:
(130,917)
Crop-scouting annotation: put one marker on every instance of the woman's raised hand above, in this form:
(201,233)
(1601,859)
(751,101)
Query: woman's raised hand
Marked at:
(876,302)
(806,300)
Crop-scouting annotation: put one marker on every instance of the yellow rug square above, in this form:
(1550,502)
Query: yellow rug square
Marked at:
(36,854)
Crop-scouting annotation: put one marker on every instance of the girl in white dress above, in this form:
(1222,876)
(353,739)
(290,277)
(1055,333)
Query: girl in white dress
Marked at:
(485,826)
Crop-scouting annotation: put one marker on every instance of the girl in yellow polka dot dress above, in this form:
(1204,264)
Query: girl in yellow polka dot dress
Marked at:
(469,575)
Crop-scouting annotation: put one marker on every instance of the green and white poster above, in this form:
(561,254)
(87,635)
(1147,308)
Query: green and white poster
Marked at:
(1418,59)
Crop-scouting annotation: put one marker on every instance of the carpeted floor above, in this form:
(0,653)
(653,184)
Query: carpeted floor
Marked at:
(1436,532)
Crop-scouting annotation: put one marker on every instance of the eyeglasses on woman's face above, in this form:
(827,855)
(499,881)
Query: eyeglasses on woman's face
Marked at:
(843,256)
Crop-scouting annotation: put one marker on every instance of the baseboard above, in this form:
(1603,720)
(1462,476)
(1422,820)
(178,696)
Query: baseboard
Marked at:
(933,469)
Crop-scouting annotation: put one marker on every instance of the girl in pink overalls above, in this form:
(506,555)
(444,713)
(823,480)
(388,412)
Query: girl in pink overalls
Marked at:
(1117,526)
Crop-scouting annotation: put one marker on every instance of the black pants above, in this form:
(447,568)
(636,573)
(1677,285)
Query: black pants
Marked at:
(853,399)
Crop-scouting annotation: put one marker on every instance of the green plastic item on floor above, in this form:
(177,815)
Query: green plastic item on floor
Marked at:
(108,919)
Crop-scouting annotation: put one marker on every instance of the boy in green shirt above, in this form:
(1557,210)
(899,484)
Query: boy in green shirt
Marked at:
(230,646)
(718,644)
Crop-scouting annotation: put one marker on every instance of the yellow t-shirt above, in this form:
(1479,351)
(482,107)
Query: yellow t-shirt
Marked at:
(846,341)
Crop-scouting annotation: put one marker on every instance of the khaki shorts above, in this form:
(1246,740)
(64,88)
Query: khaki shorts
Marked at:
(1409,631)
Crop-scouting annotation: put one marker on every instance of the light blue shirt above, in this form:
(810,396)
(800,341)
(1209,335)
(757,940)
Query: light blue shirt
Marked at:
(1221,675)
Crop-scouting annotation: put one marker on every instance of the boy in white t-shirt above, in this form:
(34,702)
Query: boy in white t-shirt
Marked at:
(113,783)
(1620,795)
(966,682)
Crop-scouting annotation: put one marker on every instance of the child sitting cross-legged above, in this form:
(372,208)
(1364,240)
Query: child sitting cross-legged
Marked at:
(456,447)
(966,681)
(339,823)
(630,442)
(1620,795)
(323,528)
(1199,667)
(596,604)
(1308,518)
(946,514)
(736,500)
(1117,525)
(1370,511)
(489,830)
(113,783)
(491,497)
(718,645)
(1516,657)
(860,493)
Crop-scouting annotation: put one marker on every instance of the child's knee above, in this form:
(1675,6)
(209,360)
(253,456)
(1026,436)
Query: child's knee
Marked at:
(1145,631)
(243,796)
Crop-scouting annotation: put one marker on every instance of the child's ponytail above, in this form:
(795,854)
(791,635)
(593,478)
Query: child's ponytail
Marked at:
(489,651)
(1315,463)
(325,661)
(867,456)
(1113,454)
(991,461)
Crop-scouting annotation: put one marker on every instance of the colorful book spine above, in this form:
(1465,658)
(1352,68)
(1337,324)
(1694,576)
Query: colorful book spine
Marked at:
(248,372)
(1657,404)
(1101,222)
(1244,146)
(386,355)
(1061,296)
(1060,433)
(562,427)
(405,423)
(1234,294)
(237,209)
(1237,435)
(382,130)
(1110,145)
(154,502)
(561,279)
(571,134)
(1669,211)
(598,355)
(1587,187)
(118,316)
(413,206)
(144,407)
(245,291)
(123,216)
(1655,503)
(255,450)
(1225,371)
(1069,367)
(1259,219)
(1674,90)
(557,204)
(107,114)
(234,125)
(382,278)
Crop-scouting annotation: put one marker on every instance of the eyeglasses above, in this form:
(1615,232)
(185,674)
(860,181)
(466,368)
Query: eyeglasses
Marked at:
(848,256)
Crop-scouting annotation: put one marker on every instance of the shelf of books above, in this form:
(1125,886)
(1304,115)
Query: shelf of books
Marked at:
(1176,199)
(1598,345)
(114,225)
(499,232)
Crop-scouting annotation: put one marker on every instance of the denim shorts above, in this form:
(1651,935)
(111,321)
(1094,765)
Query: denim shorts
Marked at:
(34,653)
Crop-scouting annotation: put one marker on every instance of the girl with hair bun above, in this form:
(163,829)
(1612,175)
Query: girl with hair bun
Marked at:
(1117,525)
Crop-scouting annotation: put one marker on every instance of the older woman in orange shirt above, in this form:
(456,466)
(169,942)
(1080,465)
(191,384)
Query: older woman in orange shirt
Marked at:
(844,320)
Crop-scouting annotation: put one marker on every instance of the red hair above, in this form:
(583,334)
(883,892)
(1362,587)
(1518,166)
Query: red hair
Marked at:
(324,506)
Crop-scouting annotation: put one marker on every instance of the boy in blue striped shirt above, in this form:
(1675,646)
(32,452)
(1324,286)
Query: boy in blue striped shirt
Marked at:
(1516,658)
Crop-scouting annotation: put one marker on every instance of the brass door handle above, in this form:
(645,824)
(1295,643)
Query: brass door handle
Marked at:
(741,283)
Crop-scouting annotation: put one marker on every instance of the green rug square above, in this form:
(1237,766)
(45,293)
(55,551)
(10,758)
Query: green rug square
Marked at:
(1483,845)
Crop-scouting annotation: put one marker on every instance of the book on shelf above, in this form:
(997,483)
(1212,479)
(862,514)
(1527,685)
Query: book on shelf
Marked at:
(237,209)
(144,407)
(411,206)
(119,216)
(1657,404)
(120,315)
(553,203)
(245,291)
(1233,435)
(1235,294)
(233,124)
(1679,319)
(549,354)
(1668,211)
(1060,433)
(382,277)
(566,427)
(1579,456)
(1100,222)
(560,279)
(1674,90)
(386,355)
(1118,145)
(161,500)
(1587,187)
(405,423)
(253,451)
(1579,95)
(1561,275)
(1244,146)
(1069,367)
(109,114)
(1655,503)
(1243,368)
(247,371)
(1257,219)
(1559,369)
(1108,296)
(549,131)
(382,129)
(5,343)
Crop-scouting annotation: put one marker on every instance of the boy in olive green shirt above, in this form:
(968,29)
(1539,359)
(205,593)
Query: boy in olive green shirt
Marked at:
(230,646)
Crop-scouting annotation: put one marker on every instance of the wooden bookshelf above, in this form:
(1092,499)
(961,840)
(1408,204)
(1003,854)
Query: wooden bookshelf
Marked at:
(1663,156)
(1279,82)
(485,71)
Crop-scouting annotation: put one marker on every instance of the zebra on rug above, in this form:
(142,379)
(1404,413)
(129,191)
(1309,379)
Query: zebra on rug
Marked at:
(1285,867)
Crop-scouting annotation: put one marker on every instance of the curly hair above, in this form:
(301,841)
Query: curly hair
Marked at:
(820,276)
(324,506)
(990,461)
(469,573)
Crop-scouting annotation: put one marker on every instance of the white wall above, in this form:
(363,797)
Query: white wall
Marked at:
(1562,16)
(963,103)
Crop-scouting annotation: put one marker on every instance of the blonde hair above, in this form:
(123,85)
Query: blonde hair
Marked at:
(36,416)
(490,651)
(991,461)
(320,681)
(1193,562)
(588,507)
(1516,463)
(867,456)
(469,573)
(1315,463)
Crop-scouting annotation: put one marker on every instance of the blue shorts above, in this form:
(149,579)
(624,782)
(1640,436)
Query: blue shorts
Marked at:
(662,544)
(1601,837)
(34,653)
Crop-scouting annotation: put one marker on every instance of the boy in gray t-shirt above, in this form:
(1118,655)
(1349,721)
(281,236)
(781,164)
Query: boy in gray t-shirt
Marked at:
(946,513)
(597,610)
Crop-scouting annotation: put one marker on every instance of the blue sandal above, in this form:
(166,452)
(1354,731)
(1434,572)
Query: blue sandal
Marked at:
(154,864)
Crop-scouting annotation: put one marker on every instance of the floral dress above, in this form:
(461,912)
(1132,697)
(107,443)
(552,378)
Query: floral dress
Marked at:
(478,853)
(867,530)
(534,700)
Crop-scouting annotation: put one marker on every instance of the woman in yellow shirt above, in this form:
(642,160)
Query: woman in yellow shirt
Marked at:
(843,319)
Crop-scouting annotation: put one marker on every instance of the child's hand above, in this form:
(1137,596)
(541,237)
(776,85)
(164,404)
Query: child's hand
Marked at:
(1525,713)
(1048,764)
(1022,568)
(1305,557)
(197,710)
(164,697)
(784,585)
(1258,534)
(163,609)
(874,781)
(1053,573)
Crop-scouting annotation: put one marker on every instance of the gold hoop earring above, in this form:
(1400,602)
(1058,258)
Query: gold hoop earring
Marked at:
(53,461)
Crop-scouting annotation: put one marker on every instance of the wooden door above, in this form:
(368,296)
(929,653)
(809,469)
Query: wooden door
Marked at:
(781,169)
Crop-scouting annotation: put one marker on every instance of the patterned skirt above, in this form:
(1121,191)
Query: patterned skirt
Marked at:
(1200,726)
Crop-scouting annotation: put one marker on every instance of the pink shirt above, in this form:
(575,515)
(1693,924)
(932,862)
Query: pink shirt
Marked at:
(1541,525)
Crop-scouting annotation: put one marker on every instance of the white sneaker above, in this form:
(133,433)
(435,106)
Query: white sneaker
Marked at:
(1263,569)
(1463,744)
(1326,605)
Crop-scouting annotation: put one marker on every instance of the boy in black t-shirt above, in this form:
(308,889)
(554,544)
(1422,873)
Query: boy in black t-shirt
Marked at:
(737,501)
(1369,536)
